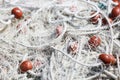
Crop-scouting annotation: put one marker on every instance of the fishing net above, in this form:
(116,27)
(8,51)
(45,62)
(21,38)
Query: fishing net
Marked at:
(54,35)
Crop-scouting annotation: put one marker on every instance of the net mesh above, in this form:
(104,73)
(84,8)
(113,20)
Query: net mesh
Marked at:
(54,35)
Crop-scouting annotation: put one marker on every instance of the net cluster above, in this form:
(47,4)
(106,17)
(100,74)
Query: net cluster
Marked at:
(54,35)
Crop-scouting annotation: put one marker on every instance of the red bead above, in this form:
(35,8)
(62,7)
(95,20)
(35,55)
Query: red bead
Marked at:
(73,47)
(117,1)
(94,19)
(112,58)
(60,1)
(94,41)
(59,30)
(115,12)
(17,12)
(104,21)
(26,65)
(73,8)
(107,59)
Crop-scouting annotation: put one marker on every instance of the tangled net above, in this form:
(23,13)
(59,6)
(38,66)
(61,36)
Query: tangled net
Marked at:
(45,34)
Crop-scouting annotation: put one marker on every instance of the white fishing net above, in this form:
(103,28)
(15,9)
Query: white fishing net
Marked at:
(45,35)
